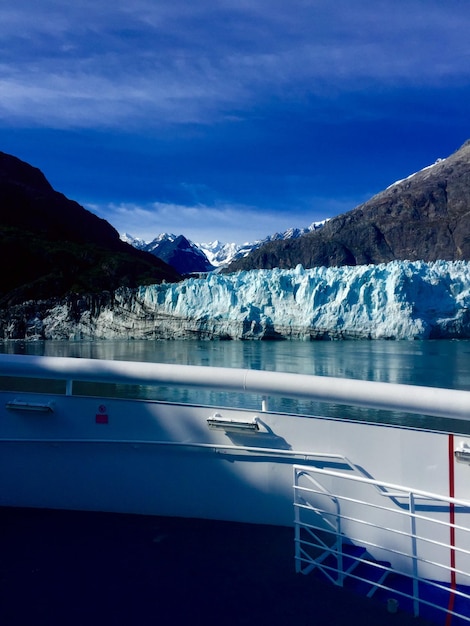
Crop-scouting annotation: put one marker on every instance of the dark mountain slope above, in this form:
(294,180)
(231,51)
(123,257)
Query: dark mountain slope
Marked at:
(51,246)
(424,217)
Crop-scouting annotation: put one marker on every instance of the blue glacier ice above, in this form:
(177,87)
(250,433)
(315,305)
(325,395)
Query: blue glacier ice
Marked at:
(398,300)
(401,300)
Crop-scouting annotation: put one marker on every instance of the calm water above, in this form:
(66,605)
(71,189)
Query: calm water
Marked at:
(431,363)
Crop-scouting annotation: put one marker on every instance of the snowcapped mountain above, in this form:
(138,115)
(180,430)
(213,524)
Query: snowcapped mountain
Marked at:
(205,257)
(133,241)
(218,253)
(155,244)
(222,254)
(183,255)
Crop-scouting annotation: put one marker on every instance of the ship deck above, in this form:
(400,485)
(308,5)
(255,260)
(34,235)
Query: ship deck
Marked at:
(82,568)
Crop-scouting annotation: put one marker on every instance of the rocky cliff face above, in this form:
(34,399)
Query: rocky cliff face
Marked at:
(120,315)
(424,217)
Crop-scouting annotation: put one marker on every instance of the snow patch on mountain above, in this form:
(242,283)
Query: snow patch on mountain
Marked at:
(428,167)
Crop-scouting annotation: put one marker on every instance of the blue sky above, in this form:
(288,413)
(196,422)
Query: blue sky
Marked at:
(231,119)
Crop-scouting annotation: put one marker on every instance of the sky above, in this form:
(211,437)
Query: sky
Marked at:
(231,119)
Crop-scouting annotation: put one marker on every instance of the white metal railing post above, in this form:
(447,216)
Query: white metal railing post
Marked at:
(336,549)
(339,544)
(414,554)
(264,404)
(298,565)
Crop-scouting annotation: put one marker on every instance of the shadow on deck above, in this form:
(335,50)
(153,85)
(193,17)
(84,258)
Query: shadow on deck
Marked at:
(87,569)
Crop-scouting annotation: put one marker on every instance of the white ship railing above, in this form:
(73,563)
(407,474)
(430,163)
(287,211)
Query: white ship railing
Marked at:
(322,546)
(447,403)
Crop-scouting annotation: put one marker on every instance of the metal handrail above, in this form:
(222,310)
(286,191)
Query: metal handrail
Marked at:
(446,403)
(306,563)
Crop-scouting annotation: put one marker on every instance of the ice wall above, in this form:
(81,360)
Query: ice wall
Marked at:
(399,300)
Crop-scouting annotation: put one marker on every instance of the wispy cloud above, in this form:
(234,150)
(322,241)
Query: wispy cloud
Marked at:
(100,63)
(198,222)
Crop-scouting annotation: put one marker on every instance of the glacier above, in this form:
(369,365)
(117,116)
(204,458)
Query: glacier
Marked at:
(398,300)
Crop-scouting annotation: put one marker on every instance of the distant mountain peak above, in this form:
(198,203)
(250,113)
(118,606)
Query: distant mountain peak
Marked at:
(205,257)
(176,250)
(221,255)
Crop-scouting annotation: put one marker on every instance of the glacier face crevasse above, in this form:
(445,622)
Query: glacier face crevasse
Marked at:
(399,300)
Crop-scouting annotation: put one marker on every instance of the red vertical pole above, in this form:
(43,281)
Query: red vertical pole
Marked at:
(453,581)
